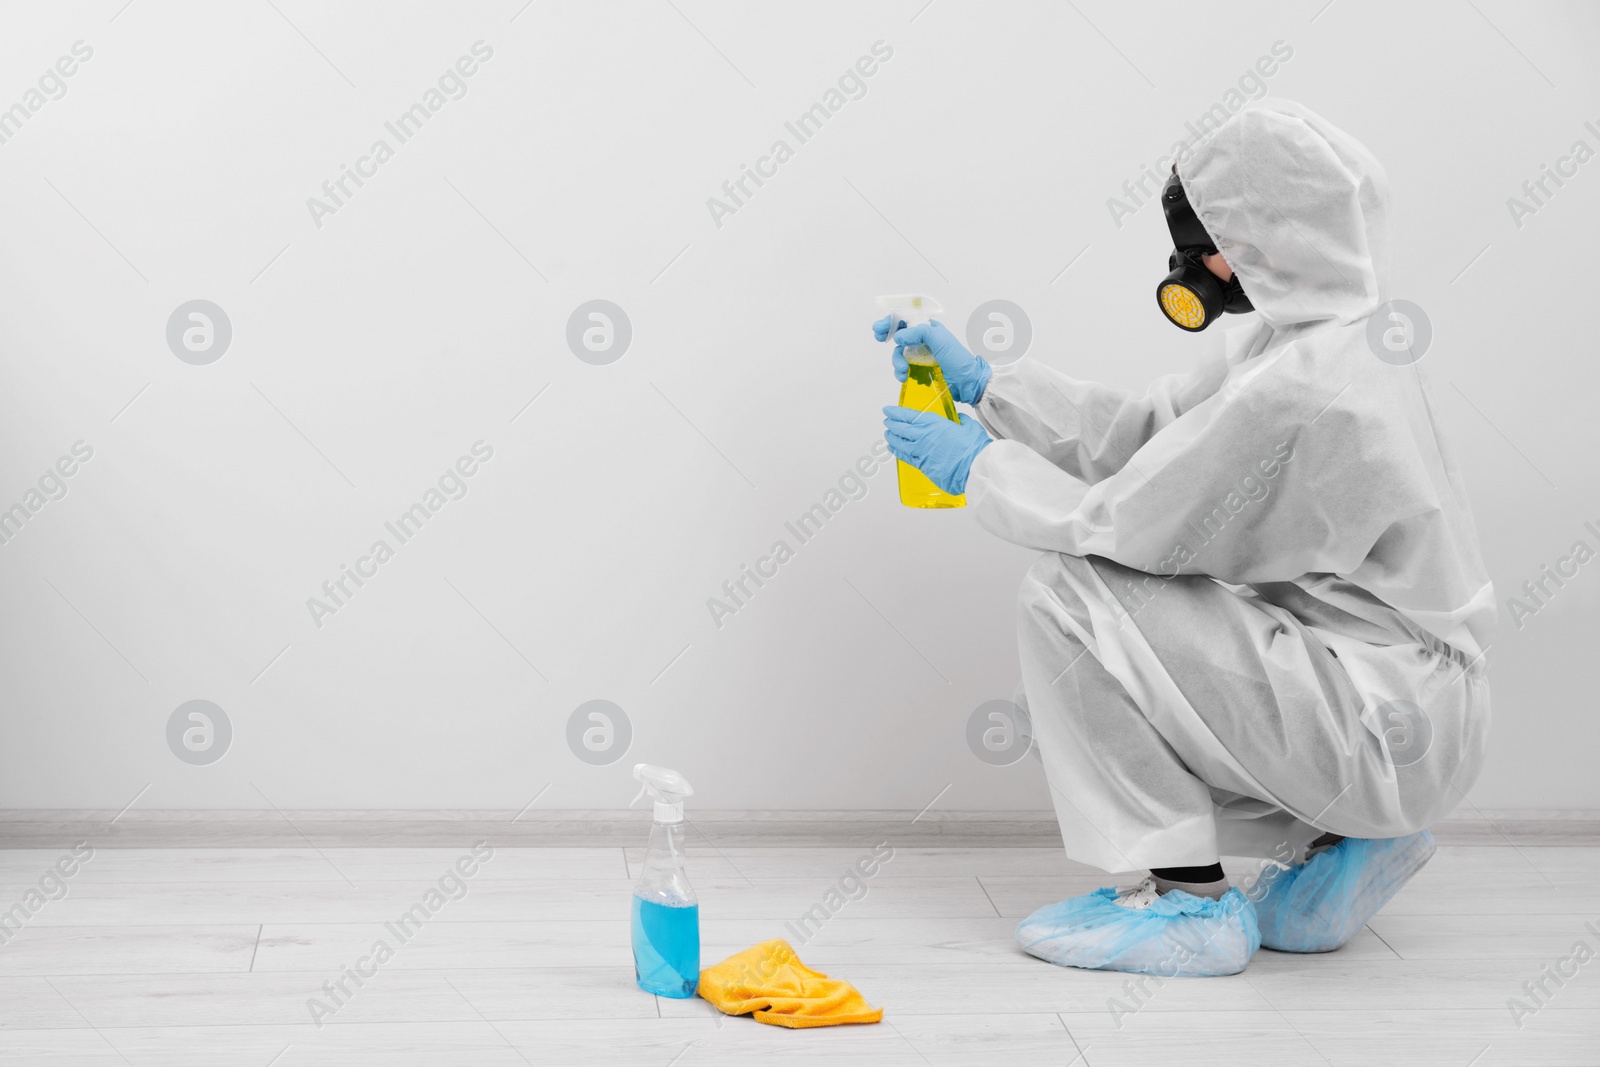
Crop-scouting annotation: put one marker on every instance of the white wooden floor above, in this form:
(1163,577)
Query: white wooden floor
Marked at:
(207,957)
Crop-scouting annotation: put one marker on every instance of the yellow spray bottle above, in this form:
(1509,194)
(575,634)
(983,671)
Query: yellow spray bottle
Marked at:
(924,390)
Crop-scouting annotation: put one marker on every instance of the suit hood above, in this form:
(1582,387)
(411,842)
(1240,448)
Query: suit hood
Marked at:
(1298,208)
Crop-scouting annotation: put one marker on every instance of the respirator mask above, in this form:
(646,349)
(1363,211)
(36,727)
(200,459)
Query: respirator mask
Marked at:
(1190,295)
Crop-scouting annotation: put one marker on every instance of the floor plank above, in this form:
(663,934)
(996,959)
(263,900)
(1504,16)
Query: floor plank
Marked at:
(829,864)
(310,865)
(1482,936)
(1194,1039)
(579,943)
(1452,1038)
(50,950)
(281,998)
(488,900)
(1334,981)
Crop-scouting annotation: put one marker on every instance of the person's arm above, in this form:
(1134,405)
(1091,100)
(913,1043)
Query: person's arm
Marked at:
(1087,429)
(1265,481)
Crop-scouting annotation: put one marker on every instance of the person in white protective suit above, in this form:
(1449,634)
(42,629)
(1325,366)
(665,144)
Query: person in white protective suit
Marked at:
(1260,622)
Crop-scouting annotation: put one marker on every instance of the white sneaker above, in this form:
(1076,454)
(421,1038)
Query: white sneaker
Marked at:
(1138,896)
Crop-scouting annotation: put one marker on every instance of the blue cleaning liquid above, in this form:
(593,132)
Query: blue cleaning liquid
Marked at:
(666,948)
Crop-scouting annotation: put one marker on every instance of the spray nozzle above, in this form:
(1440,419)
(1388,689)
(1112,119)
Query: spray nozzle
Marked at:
(667,788)
(911,308)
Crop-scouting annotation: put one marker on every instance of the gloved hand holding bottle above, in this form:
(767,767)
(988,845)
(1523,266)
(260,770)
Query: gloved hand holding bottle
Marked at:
(939,448)
(965,373)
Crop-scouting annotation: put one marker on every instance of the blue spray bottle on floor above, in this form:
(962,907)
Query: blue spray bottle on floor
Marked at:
(666,913)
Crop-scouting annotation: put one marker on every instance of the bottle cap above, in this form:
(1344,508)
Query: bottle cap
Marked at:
(666,787)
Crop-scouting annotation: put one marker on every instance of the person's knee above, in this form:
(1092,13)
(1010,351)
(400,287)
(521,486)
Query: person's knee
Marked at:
(1047,577)
(1046,592)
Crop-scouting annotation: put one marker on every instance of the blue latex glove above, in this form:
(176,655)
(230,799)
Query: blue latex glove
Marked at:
(939,448)
(965,373)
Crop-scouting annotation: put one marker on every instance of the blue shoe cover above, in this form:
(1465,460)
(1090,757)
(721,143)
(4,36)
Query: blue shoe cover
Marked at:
(1177,935)
(1324,902)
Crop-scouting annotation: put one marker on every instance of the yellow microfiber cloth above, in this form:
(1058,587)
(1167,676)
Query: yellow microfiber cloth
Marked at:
(770,981)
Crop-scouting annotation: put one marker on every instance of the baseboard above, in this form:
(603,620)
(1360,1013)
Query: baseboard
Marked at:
(37,828)
(544,828)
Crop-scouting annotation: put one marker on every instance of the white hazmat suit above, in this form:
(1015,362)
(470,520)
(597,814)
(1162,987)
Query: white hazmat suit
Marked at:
(1263,611)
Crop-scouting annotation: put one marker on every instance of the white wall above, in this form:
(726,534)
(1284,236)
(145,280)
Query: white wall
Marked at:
(425,313)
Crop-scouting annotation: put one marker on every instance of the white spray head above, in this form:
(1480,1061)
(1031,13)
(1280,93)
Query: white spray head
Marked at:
(667,788)
(911,308)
